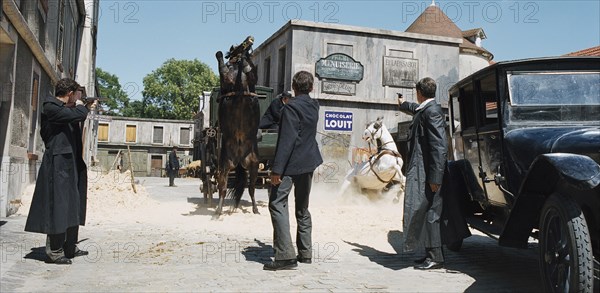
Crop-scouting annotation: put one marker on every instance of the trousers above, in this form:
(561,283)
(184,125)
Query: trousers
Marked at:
(57,245)
(278,208)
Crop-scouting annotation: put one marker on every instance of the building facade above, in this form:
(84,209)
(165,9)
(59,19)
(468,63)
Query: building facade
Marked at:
(41,41)
(148,141)
(359,72)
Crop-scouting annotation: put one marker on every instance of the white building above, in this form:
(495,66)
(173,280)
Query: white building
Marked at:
(40,43)
(359,71)
(148,140)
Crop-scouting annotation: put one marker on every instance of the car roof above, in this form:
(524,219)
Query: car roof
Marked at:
(589,62)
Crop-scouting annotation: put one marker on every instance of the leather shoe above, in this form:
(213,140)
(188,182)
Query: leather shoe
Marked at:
(306,260)
(288,264)
(429,264)
(78,252)
(60,261)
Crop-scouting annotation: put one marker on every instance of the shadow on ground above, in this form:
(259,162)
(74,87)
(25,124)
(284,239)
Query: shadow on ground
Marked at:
(260,254)
(37,253)
(394,261)
(204,209)
(493,267)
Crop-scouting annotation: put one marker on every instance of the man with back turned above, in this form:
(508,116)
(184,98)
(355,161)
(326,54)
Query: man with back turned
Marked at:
(297,156)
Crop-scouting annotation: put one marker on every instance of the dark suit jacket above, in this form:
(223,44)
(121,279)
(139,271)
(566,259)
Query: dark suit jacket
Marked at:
(173,161)
(271,118)
(297,151)
(59,199)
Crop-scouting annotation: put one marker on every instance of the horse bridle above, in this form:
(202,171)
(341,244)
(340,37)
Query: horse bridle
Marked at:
(377,127)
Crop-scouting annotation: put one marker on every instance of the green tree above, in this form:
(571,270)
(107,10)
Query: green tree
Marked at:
(172,91)
(109,87)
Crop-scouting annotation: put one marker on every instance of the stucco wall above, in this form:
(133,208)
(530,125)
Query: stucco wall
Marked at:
(306,43)
(470,64)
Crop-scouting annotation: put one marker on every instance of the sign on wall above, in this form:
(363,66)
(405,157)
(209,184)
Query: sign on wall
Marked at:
(400,72)
(338,121)
(339,66)
(338,87)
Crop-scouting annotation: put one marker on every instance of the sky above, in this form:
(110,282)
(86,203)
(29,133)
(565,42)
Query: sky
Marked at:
(137,37)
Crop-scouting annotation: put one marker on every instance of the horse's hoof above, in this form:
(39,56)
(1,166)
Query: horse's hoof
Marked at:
(255,211)
(219,55)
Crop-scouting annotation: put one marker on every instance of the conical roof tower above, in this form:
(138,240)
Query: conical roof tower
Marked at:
(433,21)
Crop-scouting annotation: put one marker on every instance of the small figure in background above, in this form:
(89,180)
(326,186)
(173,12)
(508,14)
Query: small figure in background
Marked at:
(173,166)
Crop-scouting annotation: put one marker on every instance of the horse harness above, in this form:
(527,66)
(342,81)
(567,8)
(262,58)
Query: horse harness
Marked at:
(379,155)
(231,94)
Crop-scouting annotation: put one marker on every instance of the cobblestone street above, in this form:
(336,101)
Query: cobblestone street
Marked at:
(176,246)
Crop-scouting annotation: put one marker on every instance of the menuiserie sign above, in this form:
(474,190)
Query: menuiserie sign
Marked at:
(339,66)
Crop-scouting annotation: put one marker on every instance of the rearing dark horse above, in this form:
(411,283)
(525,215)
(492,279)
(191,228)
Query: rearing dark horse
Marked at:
(239,114)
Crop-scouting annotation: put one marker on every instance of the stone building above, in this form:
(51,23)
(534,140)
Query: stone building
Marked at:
(41,41)
(359,71)
(148,140)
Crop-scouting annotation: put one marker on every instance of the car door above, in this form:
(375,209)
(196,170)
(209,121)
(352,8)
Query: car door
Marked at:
(489,140)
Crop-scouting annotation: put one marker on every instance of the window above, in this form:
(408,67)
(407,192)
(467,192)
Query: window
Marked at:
(267,68)
(103,132)
(184,136)
(488,98)
(61,30)
(157,135)
(281,73)
(130,133)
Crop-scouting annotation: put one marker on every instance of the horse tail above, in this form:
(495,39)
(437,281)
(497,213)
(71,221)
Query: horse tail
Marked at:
(241,177)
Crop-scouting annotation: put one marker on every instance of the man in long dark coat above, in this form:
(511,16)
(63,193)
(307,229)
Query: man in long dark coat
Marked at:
(297,156)
(59,201)
(173,166)
(427,156)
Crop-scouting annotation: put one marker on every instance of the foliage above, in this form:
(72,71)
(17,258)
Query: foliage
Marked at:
(172,91)
(109,87)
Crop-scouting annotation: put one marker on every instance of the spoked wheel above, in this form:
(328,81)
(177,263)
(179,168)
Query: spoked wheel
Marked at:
(566,258)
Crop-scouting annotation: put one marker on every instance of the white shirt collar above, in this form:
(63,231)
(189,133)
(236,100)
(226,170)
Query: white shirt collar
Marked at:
(424,104)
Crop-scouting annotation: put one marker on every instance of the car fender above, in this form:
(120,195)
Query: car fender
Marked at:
(549,169)
(543,177)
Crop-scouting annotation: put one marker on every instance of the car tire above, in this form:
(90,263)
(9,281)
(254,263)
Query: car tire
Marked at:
(566,259)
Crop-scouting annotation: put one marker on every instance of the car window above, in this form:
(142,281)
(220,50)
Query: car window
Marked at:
(561,96)
(488,104)
(468,115)
(554,88)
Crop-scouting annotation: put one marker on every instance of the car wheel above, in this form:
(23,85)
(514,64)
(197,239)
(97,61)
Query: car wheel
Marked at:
(565,247)
(455,246)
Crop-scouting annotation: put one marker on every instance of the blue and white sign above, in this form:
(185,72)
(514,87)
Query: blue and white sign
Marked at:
(338,121)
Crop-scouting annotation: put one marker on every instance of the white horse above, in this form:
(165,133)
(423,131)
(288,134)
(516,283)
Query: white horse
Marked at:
(382,168)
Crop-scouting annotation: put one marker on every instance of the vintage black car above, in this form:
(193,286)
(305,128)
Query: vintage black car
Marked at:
(526,140)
